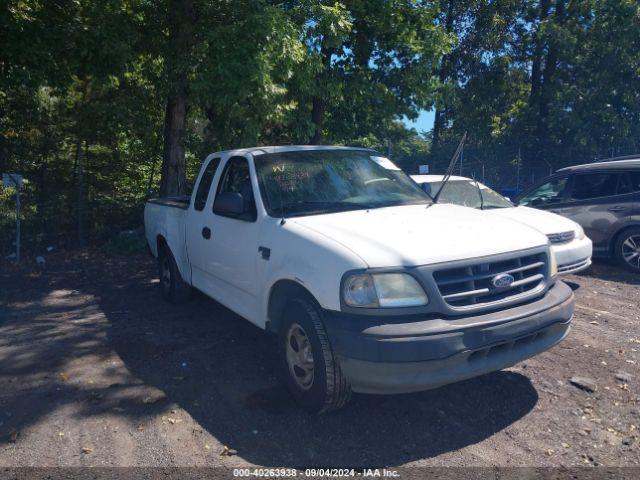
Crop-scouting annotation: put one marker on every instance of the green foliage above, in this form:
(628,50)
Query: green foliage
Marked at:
(84,85)
(551,82)
(369,61)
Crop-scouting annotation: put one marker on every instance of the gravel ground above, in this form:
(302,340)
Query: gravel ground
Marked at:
(96,370)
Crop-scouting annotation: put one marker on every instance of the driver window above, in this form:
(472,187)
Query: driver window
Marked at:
(236,178)
(547,193)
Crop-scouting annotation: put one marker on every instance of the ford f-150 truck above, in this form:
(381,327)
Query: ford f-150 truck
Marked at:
(369,285)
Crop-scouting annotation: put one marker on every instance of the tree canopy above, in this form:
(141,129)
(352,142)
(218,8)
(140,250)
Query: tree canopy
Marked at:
(103,104)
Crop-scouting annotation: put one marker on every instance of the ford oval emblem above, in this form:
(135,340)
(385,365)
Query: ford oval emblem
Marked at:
(502,281)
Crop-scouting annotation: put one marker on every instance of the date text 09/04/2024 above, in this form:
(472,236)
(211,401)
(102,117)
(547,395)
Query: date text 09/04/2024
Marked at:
(316,472)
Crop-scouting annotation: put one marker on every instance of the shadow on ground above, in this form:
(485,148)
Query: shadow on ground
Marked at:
(221,370)
(608,270)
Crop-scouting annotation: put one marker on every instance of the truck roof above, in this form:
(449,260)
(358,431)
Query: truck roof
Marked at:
(286,148)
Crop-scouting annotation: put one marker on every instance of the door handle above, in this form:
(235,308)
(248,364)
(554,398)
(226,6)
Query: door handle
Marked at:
(617,208)
(265,252)
(206,233)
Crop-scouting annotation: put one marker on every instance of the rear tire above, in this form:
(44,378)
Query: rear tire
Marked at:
(173,288)
(627,249)
(308,365)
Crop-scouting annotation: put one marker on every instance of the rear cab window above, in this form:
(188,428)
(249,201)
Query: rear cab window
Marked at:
(204,186)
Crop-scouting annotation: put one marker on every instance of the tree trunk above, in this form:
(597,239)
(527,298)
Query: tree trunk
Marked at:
(440,113)
(317,117)
(548,75)
(536,66)
(319,101)
(181,20)
(173,180)
(438,123)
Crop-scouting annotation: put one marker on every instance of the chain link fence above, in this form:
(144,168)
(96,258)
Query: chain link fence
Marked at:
(60,222)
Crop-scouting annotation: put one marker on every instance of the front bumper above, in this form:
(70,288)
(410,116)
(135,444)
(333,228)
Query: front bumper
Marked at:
(574,256)
(397,354)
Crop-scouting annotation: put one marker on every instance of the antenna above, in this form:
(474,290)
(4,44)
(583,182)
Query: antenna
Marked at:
(452,165)
(283,220)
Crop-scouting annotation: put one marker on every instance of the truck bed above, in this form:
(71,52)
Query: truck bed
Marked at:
(165,217)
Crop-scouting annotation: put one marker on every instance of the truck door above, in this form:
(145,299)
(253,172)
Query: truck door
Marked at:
(232,251)
(198,225)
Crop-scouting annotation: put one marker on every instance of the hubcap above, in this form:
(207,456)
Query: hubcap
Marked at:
(631,251)
(165,275)
(300,356)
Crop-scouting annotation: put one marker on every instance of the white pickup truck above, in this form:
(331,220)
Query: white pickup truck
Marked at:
(369,286)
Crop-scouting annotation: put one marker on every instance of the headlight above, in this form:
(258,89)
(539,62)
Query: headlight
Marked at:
(553,264)
(579,232)
(359,291)
(383,290)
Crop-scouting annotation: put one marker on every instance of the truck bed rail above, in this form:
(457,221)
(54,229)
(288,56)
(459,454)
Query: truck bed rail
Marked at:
(176,201)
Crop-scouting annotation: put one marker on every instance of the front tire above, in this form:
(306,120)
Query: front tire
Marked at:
(627,249)
(308,365)
(173,288)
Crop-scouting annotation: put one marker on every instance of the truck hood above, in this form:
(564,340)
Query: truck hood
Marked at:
(545,222)
(418,235)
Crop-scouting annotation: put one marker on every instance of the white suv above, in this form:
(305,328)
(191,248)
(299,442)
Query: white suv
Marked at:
(573,249)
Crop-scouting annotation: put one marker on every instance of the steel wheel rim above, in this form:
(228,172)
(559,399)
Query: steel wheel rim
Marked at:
(631,251)
(165,274)
(300,356)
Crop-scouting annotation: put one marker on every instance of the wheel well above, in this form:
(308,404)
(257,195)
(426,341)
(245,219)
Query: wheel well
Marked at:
(616,236)
(282,291)
(161,242)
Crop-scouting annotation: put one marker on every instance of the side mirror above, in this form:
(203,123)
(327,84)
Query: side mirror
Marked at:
(229,204)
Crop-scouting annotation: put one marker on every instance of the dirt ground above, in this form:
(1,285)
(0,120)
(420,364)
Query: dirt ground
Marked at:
(96,370)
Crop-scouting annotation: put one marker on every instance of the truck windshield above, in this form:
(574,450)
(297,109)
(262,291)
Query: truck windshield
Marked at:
(311,182)
(467,194)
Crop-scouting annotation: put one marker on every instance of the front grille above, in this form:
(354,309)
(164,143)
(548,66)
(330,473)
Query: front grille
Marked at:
(471,285)
(562,237)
